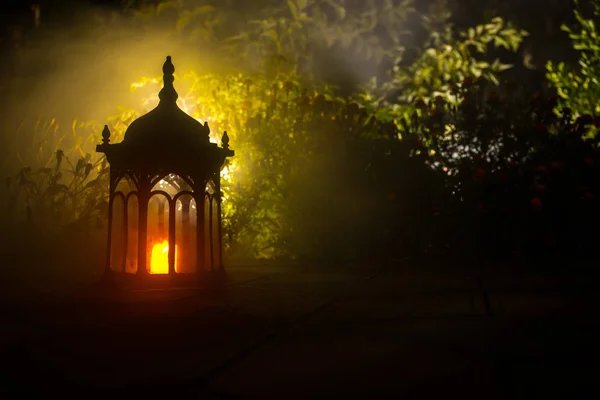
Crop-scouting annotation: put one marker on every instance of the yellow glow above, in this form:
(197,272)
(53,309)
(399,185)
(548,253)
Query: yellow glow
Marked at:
(143,82)
(159,263)
(226,176)
(227,171)
(183,105)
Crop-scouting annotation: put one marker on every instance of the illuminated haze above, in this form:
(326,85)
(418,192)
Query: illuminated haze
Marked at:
(84,68)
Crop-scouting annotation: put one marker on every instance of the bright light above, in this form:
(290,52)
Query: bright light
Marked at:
(183,105)
(159,263)
(226,176)
(227,171)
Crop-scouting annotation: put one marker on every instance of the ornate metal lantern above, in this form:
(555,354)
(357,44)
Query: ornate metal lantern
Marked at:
(165,194)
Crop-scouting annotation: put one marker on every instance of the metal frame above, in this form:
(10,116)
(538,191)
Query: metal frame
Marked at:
(163,142)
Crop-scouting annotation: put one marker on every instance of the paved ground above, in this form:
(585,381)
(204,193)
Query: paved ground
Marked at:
(292,332)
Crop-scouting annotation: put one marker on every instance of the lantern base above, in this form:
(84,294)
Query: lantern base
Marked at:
(149,281)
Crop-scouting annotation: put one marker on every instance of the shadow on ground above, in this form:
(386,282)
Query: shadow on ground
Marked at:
(413,329)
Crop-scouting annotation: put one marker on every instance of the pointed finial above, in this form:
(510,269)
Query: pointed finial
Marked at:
(225,141)
(105,135)
(168,94)
(168,67)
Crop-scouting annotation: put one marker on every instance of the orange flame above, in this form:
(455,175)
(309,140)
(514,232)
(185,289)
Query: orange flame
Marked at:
(159,263)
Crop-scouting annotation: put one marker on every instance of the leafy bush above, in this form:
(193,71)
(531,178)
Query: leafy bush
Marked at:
(430,156)
(276,36)
(519,176)
(578,86)
(283,126)
(447,59)
(55,189)
(298,153)
(54,206)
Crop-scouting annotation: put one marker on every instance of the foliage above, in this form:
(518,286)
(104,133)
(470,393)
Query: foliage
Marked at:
(443,64)
(430,150)
(285,123)
(579,88)
(286,136)
(53,189)
(296,143)
(285,36)
(518,174)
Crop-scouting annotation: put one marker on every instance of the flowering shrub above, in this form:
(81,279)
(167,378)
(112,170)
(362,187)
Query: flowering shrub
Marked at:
(518,176)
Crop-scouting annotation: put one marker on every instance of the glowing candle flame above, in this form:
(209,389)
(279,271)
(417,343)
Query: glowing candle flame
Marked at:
(159,262)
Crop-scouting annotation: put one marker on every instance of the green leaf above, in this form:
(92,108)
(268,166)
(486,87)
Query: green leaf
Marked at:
(504,67)
(183,20)
(92,183)
(271,33)
(501,42)
(293,9)
(301,4)
(202,10)
(166,5)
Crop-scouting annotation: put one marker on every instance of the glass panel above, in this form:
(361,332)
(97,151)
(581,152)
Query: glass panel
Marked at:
(185,234)
(172,184)
(117,238)
(210,187)
(125,185)
(133,215)
(158,235)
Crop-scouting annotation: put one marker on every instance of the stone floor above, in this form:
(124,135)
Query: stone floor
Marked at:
(274,332)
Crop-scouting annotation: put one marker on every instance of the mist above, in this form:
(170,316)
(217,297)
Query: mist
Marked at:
(78,64)
(82,64)
(391,215)
(341,195)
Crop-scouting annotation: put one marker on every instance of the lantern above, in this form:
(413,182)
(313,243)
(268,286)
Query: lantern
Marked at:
(165,194)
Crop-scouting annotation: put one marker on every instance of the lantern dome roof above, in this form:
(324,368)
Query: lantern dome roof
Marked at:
(166,138)
(166,124)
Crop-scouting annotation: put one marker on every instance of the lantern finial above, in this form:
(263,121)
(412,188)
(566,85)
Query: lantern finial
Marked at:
(168,94)
(225,140)
(105,135)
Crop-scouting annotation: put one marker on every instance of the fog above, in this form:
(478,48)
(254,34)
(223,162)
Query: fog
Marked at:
(351,298)
(79,65)
(81,61)
(88,75)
